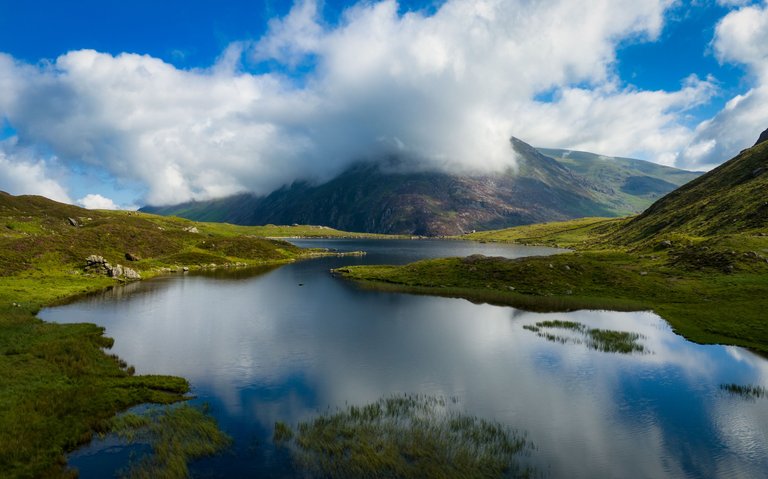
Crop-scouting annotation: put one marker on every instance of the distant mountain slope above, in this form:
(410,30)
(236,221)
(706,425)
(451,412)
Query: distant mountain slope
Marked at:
(376,198)
(628,185)
(732,198)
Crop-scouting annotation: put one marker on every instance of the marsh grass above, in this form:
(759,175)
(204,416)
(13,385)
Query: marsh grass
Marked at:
(605,340)
(747,391)
(405,436)
(175,434)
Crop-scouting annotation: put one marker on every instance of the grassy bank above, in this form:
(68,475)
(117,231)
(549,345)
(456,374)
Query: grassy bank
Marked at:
(711,290)
(58,383)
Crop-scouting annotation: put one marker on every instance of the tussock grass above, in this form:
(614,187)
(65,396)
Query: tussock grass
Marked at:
(175,434)
(405,436)
(607,341)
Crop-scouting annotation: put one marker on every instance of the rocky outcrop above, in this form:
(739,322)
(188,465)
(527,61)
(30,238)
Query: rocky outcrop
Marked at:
(99,265)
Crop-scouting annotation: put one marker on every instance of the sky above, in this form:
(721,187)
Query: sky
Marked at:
(109,104)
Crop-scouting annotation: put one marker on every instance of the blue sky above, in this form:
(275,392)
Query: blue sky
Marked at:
(169,101)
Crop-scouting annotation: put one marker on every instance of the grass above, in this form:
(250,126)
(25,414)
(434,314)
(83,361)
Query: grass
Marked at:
(405,436)
(176,435)
(58,384)
(604,340)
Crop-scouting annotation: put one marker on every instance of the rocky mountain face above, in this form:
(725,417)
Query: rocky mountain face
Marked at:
(371,197)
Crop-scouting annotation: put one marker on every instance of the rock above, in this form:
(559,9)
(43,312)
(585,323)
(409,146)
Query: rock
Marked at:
(72,222)
(665,244)
(95,259)
(643,273)
(567,268)
(131,274)
(511,288)
(131,257)
(191,229)
(115,272)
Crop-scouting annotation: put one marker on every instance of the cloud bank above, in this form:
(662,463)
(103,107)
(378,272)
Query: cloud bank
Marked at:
(445,91)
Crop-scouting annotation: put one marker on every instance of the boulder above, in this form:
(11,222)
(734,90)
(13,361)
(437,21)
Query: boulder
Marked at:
(131,274)
(115,272)
(72,222)
(131,257)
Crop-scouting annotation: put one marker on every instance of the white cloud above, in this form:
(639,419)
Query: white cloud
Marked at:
(22,173)
(740,37)
(93,201)
(448,89)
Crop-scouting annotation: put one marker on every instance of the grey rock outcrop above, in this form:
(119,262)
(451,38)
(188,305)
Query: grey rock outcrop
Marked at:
(98,264)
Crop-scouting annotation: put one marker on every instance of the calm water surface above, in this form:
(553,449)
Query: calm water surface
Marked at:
(287,343)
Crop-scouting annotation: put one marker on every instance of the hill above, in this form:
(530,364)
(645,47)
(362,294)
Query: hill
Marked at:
(378,198)
(629,186)
(730,199)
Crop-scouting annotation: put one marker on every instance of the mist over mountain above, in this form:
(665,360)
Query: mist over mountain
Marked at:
(377,197)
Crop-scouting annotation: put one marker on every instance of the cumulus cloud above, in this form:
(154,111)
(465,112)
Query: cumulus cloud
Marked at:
(740,37)
(444,90)
(93,201)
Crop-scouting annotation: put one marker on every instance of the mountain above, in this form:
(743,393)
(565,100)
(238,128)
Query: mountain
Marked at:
(629,186)
(729,199)
(376,197)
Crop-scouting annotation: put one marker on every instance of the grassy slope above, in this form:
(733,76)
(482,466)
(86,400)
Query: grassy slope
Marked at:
(57,385)
(628,185)
(697,257)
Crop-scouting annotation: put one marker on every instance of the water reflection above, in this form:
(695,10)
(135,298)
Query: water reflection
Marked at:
(263,349)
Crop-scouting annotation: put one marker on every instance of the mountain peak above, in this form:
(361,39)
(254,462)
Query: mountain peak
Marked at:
(763,137)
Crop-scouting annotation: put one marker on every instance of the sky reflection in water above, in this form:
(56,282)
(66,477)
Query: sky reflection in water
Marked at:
(261,348)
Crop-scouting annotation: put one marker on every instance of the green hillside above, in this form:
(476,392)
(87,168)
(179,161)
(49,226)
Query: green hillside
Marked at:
(731,199)
(627,184)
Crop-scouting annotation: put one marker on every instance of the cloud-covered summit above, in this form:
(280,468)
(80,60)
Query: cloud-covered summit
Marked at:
(444,90)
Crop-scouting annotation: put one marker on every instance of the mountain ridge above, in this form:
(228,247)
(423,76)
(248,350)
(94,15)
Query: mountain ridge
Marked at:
(371,198)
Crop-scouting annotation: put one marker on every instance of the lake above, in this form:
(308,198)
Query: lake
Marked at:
(288,343)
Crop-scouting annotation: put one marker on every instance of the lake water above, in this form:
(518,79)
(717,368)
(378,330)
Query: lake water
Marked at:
(288,343)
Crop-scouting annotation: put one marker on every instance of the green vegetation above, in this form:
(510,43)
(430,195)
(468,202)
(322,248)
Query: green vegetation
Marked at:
(748,391)
(698,257)
(605,340)
(628,186)
(58,386)
(176,435)
(405,436)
